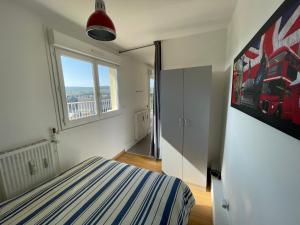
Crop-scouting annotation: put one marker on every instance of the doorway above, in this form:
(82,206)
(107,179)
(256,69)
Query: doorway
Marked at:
(143,146)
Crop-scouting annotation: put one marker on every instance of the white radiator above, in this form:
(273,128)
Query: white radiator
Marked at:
(24,168)
(141,124)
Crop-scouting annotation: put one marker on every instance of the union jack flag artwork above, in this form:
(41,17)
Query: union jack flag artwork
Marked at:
(266,74)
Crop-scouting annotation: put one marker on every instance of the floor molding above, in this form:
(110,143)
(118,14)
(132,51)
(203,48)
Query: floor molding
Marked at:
(119,154)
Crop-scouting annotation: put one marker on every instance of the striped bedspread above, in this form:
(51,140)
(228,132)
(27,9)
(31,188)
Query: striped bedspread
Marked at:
(101,191)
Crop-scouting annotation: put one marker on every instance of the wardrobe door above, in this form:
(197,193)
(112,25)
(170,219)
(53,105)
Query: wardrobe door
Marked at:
(197,94)
(172,121)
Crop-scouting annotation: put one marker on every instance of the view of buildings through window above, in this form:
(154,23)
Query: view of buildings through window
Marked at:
(80,88)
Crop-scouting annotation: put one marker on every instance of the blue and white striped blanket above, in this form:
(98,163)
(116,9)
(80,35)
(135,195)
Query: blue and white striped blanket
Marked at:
(100,191)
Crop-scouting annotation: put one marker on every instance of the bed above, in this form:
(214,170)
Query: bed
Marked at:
(101,191)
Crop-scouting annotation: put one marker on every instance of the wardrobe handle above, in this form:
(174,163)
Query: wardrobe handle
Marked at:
(187,122)
(180,121)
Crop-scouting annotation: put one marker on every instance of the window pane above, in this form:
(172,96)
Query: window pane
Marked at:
(79,87)
(151,92)
(108,88)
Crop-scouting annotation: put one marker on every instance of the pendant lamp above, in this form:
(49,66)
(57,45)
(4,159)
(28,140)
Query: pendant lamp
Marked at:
(99,26)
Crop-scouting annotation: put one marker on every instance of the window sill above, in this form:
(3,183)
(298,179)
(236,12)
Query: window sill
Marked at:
(104,116)
(111,114)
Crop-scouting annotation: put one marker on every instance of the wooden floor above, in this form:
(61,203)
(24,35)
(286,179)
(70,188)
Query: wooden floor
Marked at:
(201,213)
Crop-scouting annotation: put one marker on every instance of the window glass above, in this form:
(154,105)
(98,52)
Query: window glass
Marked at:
(274,87)
(79,88)
(108,88)
(275,70)
(278,58)
(151,85)
(292,73)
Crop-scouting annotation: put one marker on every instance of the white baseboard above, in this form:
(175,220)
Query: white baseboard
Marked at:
(118,155)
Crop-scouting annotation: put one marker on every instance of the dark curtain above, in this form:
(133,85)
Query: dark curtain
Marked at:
(155,133)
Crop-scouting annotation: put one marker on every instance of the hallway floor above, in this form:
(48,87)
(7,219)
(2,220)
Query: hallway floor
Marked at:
(142,147)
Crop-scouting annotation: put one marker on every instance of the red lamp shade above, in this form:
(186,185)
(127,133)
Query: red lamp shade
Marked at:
(99,26)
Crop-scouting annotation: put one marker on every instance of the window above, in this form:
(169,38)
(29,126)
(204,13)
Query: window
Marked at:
(292,73)
(275,70)
(274,87)
(151,83)
(88,89)
(278,58)
(151,92)
(79,88)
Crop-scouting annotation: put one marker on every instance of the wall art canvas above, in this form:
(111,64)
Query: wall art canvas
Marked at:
(266,74)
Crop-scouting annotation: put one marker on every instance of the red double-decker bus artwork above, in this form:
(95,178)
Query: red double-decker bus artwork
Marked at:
(266,73)
(280,95)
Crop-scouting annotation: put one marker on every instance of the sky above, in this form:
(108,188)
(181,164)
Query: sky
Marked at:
(79,73)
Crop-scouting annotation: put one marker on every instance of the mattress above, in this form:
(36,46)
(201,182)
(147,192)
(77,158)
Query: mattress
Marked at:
(101,191)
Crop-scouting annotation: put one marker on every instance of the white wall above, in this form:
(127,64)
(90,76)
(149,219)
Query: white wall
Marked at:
(261,169)
(219,214)
(27,109)
(200,50)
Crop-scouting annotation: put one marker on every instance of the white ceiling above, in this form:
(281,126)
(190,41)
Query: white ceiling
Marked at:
(140,22)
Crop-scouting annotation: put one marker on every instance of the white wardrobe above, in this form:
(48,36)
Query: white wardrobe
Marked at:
(185,117)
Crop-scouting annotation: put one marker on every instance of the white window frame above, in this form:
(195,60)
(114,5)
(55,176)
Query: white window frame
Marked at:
(64,121)
(112,112)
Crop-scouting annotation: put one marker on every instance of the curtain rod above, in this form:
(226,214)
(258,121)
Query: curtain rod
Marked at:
(132,49)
